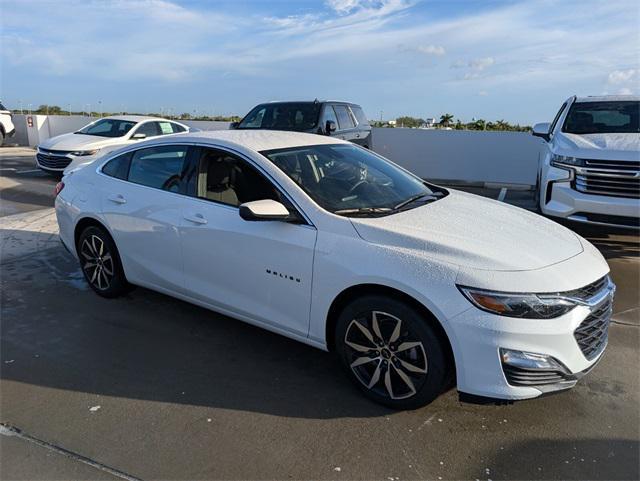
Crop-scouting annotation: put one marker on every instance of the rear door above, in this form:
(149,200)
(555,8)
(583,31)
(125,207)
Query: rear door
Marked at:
(142,201)
(363,135)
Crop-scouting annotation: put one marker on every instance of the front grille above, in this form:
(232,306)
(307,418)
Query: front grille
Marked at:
(592,333)
(615,178)
(50,161)
(518,376)
(588,291)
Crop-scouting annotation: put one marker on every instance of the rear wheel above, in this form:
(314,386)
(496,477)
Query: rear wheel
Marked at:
(100,263)
(391,352)
(1,139)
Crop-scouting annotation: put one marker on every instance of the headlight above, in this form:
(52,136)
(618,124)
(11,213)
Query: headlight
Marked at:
(79,153)
(526,306)
(565,161)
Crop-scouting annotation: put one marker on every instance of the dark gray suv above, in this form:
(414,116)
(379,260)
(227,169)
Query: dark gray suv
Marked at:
(343,120)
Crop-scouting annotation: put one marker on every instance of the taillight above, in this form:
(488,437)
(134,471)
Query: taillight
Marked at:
(58,189)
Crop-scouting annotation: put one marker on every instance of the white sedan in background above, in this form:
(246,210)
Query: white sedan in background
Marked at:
(323,241)
(67,151)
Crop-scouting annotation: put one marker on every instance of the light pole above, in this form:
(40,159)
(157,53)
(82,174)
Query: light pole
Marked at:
(100,107)
(69,108)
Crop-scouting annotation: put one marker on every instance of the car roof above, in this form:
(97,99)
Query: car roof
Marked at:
(259,140)
(309,102)
(609,98)
(136,118)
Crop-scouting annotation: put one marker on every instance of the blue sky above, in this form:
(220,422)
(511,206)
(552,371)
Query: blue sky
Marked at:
(488,59)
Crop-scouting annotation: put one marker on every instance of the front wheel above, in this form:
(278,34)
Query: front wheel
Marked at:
(391,352)
(100,263)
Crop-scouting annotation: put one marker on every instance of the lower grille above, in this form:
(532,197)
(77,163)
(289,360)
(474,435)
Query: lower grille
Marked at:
(52,161)
(517,376)
(608,177)
(592,333)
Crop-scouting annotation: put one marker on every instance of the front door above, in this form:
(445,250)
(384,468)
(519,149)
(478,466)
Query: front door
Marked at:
(258,270)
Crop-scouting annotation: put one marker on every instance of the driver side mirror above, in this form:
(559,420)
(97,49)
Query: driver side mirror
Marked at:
(266,209)
(330,127)
(233,125)
(542,130)
(138,136)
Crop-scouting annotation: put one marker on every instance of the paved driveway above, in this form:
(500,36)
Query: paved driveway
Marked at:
(150,387)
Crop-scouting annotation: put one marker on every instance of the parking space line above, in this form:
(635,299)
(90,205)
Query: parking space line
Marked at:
(6,430)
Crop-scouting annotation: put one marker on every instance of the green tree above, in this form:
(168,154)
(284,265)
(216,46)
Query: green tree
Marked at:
(185,116)
(410,122)
(445,120)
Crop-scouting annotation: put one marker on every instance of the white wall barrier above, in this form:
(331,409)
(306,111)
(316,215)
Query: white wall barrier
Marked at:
(42,127)
(501,159)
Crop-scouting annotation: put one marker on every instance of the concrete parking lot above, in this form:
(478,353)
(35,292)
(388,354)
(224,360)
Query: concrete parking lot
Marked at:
(149,387)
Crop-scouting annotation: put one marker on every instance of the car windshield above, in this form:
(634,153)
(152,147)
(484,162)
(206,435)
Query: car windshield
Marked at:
(107,128)
(352,181)
(603,118)
(296,116)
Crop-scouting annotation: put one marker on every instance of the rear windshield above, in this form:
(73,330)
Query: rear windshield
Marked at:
(603,118)
(296,116)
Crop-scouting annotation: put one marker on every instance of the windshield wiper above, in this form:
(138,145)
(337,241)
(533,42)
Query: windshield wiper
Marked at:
(412,199)
(363,210)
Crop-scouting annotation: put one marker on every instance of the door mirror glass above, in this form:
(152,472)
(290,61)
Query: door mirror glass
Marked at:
(233,125)
(266,209)
(542,130)
(330,127)
(139,136)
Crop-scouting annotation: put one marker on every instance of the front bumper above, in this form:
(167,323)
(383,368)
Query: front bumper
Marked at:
(559,199)
(478,337)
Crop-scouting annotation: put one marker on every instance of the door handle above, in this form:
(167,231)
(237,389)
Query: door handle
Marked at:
(196,218)
(357,136)
(117,198)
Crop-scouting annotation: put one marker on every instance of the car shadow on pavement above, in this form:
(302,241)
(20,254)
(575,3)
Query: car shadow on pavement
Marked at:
(601,459)
(153,347)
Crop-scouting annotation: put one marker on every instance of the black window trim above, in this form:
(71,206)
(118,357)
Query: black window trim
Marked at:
(562,110)
(190,170)
(131,152)
(193,169)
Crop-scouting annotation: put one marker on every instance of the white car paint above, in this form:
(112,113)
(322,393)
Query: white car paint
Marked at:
(64,145)
(7,129)
(559,196)
(284,277)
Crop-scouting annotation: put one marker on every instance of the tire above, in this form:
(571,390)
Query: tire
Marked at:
(1,139)
(100,263)
(401,362)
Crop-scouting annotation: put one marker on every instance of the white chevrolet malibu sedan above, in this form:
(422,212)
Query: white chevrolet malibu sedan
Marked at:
(413,286)
(65,152)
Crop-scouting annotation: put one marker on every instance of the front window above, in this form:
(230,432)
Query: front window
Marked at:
(107,128)
(603,118)
(348,180)
(295,116)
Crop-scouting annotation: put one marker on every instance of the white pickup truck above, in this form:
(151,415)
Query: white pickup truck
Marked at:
(590,169)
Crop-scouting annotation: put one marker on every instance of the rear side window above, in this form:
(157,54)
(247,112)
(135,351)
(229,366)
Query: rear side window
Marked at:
(159,167)
(344,117)
(150,129)
(118,167)
(177,128)
(359,114)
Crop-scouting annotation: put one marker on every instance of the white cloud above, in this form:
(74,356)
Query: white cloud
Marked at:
(432,49)
(622,76)
(481,63)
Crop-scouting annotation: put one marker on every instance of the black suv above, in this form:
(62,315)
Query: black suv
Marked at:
(343,120)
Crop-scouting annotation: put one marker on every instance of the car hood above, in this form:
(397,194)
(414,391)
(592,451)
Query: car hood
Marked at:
(598,146)
(79,142)
(474,232)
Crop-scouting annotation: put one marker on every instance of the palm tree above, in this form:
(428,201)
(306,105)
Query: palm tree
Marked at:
(502,125)
(445,120)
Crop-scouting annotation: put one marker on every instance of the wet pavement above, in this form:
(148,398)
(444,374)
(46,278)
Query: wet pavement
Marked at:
(150,387)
